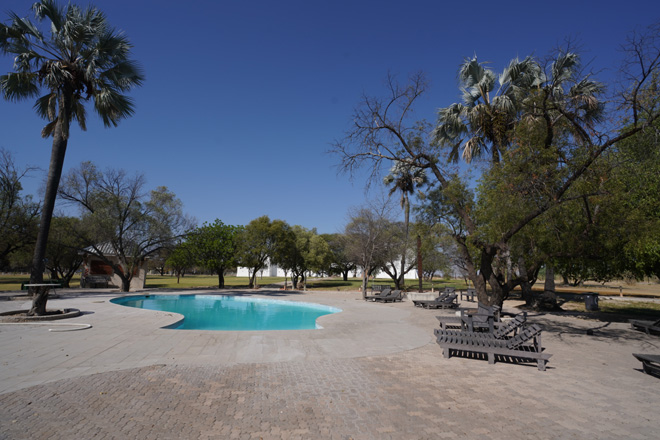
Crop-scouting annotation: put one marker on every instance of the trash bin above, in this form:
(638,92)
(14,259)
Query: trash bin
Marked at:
(591,301)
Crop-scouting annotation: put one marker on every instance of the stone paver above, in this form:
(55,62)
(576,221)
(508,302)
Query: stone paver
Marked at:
(309,385)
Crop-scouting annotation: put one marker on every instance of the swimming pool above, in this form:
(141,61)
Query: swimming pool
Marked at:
(225,312)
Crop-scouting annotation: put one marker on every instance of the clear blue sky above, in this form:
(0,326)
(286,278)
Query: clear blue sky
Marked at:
(242,99)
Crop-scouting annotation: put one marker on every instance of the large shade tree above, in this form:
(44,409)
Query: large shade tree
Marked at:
(213,246)
(555,118)
(77,58)
(258,243)
(124,223)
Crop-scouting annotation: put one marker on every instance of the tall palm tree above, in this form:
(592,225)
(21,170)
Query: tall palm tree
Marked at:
(81,58)
(404,178)
(484,120)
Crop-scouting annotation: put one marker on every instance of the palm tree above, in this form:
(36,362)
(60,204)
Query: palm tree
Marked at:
(484,120)
(81,58)
(404,178)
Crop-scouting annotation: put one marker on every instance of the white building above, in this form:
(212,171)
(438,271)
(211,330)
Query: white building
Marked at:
(269,270)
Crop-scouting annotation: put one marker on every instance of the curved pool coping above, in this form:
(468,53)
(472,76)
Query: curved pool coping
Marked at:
(303,304)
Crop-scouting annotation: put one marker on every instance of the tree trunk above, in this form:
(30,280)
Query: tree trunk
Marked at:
(125,284)
(54,174)
(525,286)
(221,278)
(253,277)
(344,275)
(549,278)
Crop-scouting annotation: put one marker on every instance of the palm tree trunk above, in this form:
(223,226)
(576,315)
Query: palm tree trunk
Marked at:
(401,282)
(54,174)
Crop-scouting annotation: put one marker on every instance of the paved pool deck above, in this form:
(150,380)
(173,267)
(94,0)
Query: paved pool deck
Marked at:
(373,372)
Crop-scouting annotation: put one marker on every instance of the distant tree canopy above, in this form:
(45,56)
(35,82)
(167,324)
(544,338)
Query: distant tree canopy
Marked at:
(258,242)
(213,247)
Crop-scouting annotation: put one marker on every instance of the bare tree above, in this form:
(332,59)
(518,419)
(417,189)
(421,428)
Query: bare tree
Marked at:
(121,219)
(366,234)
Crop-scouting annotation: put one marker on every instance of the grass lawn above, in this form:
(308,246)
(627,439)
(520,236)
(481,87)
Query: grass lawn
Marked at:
(13,282)
(354,283)
(632,309)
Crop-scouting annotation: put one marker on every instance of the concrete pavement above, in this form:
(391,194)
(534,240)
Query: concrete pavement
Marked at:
(372,372)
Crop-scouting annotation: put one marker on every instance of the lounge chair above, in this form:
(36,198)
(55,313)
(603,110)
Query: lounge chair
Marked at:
(650,327)
(510,327)
(485,319)
(516,348)
(441,297)
(650,363)
(393,295)
(386,291)
(469,294)
(446,302)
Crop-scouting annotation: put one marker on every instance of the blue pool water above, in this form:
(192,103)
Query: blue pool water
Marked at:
(223,312)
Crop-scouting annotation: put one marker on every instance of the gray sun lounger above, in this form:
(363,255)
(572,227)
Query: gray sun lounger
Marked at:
(525,345)
(441,297)
(491,323)
(650,327)
(650,363)
(392,296)
(447,302)
(380,294)
(486,318)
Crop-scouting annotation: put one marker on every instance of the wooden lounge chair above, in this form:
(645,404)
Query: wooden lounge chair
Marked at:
(510,327)
(386,291)
(650,363)
(515,348)
(486,318)
(418,302)
(447,302)
(650,327)
(393,295)
(469,294)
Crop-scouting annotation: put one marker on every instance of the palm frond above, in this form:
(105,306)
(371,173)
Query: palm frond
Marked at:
(16,86)
(471,95)
(450,125)
(471,72)
(80,114)
(487,82)
(124,75)
(504,103)
(49,9)
(473,149)
(564,67)
(48,130)
(112,106)
(46,106)
(24,27)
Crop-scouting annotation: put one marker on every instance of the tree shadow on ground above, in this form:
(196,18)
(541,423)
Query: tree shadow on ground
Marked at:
(592,328)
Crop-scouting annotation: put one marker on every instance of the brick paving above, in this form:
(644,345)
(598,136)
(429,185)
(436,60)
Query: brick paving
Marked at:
(592,389)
